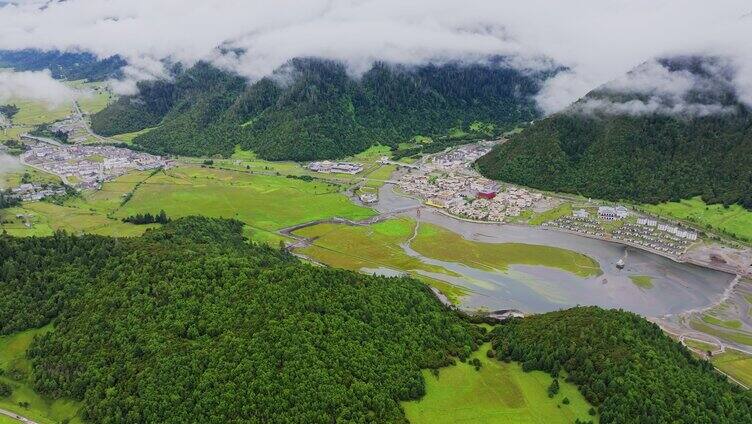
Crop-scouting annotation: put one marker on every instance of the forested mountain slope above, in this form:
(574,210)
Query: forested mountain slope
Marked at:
(699,146)
(314,109)
(625,365)
(63,65)
(189,323)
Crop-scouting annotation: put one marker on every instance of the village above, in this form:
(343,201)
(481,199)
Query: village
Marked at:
(88,166)
(627,227)
(447,181)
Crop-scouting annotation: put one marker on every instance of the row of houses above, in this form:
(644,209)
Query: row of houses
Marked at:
(329,167)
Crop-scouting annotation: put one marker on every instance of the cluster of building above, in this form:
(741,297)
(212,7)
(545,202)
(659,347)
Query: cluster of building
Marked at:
(646,232)
(462,157)
(329,167)
(471,197)
(35,192)
(579,222)
(87,167)
(654,238)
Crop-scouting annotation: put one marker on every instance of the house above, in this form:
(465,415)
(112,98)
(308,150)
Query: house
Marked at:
(607,212)
(580,213)
(368,198)
(621,212)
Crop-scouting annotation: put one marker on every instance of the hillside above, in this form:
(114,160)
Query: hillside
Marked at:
(702,149)
(190,323)
(313,109)
(63,65)
(624,365)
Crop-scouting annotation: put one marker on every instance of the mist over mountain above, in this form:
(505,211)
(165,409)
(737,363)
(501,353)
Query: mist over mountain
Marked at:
(312,108)
(631,140)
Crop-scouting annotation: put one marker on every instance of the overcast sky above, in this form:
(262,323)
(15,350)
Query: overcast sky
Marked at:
(599,40)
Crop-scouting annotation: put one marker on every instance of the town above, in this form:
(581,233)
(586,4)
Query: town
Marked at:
(88,166)
(447,181)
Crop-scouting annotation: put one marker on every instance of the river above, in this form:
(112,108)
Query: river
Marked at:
(676,287)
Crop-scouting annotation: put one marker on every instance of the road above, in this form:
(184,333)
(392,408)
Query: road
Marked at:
(19,418)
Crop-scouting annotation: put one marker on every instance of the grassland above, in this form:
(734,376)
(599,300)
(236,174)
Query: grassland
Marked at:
(13,358)
(96,95)
(730,324)
(733,336)
(439,243)
(266,202)
(128,137)
(642,281)
(734,220)
(565,209)
(736,364)
(497,393)
(372,247)
(702,346)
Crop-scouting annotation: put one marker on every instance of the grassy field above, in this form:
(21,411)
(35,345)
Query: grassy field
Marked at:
(642,281)
(730,324)
(375,246)
(128,137)
(703,346)
(733,336)
(497,393)
(266,202)
(96,96)
(736,364)
(734,220)
(13,179)
(439,243)
(564,209)
(46,218)
(13,357)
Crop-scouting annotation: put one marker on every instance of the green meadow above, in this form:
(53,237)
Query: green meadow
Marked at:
(439,243)
(642,281)
(730,335)
(263,201)
(379,246)
(730,324)
(734,220)
(497,393)
(16,373)
(371,247)
(736,364)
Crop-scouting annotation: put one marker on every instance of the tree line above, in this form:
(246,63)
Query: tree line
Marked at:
(322,112)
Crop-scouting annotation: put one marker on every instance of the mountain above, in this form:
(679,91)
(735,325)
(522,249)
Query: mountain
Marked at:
(638,145)
(63,65)
(191,323)
(312,109)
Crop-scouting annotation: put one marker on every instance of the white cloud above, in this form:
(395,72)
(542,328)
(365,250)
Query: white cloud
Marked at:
(38,86)
(598,40)
(8,164)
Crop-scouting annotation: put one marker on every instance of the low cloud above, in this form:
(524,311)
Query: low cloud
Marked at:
(688,86)
(8,164)
(597,40)
(38,86)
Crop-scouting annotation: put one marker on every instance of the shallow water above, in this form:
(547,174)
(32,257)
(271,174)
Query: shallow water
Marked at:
(677,287)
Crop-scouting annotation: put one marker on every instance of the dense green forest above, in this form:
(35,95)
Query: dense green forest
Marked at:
(63,65)
(647,158)
(7,199)
(624,365)
(190,323)
(313,109)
